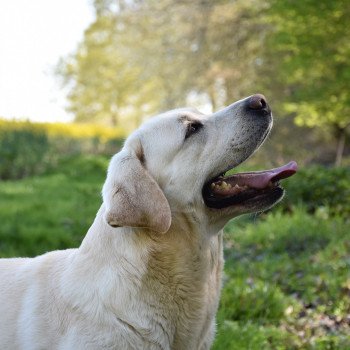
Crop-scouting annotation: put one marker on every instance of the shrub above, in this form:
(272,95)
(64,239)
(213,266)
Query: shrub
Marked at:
(22,153)
(319,187)
(33,148)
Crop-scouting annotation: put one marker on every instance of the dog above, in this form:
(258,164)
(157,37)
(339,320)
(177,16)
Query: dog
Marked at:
(148,273)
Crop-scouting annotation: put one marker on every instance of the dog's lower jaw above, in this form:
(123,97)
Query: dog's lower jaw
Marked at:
(173,283)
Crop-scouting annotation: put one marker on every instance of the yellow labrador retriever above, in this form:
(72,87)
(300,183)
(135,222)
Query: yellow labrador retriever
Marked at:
(148,273)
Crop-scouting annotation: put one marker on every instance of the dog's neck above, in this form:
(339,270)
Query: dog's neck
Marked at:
(174,271)
(184,234)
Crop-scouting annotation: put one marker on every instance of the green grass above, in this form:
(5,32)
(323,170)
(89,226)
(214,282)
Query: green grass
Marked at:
(287,283)
(50,212)
(287,276)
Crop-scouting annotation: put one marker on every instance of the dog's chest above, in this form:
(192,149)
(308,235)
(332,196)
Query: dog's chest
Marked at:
(184,297)
(171,306)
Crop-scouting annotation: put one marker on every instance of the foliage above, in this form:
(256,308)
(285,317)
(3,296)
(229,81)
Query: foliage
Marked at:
(325,191)
(307,63)
(22,153)
(102,76)
(69,130)
(33,148)
(141,57)
(297,266)
(311,58)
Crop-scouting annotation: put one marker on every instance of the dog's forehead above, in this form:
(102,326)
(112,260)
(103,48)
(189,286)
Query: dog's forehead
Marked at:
(172,118)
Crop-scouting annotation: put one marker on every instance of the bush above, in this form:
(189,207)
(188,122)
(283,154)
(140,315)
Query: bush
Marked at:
(22,153)
(319,187)
(33,148)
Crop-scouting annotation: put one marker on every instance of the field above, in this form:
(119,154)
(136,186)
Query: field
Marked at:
(287,280)
(286,283)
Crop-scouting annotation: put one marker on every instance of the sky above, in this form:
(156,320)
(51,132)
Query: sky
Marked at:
(34,35)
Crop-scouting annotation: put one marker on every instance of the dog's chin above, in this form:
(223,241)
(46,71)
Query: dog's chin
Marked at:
(247,192)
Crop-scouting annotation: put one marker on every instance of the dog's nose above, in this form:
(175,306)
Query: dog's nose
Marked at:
(258,103)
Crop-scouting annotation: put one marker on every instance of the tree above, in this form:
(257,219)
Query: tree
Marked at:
(307,62)
(104,80)
(141,57)
(205,47)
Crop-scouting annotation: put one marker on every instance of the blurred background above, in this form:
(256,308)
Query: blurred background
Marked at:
(77,77)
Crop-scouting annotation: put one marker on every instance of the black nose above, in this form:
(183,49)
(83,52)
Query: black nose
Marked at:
(258,103)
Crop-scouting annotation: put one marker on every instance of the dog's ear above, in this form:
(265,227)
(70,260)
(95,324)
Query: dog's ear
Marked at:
(131,196)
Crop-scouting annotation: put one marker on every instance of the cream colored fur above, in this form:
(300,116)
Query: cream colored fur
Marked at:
(148,273)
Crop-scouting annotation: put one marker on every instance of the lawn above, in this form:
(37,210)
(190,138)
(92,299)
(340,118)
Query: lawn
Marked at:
(287,283)
(287,273)
(53,211)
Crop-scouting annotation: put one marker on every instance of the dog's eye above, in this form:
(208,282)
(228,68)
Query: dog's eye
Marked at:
(192,128)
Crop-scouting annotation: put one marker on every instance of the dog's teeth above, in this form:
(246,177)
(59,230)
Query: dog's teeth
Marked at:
(220,185)
(236,186)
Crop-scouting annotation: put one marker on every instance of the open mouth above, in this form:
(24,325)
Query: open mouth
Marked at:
(224,191)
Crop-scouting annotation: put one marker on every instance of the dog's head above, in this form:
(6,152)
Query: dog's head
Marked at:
(175,163)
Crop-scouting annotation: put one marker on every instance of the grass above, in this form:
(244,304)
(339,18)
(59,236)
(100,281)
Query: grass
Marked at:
(287,283)
(50,212)
(287,276)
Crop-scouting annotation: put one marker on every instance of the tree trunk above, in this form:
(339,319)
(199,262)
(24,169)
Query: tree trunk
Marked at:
(114,119)
(340,147)
(212,99)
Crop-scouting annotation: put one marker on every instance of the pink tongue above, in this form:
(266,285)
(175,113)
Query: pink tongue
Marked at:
(260,180)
